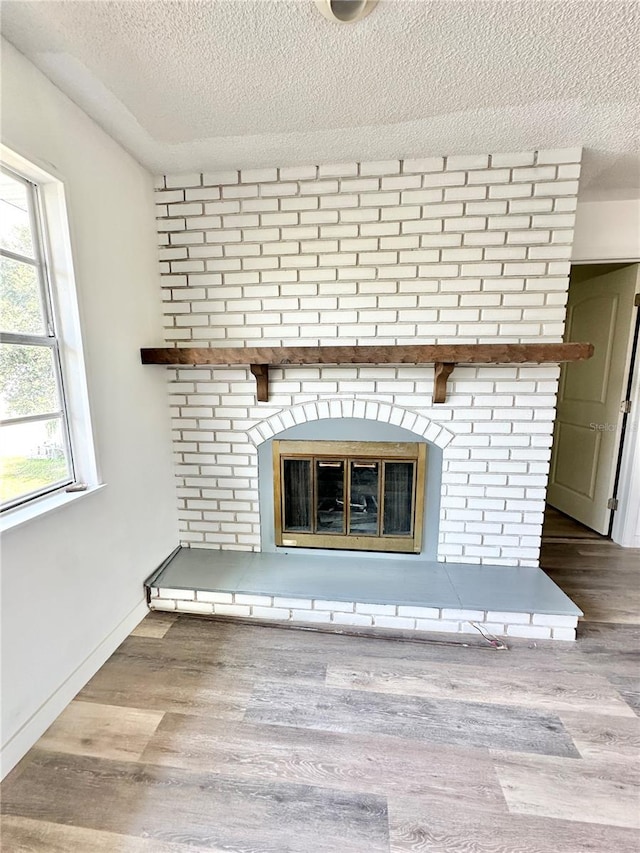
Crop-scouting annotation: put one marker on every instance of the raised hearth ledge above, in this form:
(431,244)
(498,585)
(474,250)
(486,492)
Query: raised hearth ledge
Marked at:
(365,592)
(443,356)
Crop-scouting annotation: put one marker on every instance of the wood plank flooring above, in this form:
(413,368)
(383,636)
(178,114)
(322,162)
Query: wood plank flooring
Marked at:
(602,578)
(472,724)
(560,527)
(201,735)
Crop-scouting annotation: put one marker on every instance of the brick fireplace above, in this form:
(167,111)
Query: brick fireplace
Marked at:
(465,249)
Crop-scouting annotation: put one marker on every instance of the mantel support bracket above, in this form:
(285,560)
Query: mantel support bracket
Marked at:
(261,372)
(442,372)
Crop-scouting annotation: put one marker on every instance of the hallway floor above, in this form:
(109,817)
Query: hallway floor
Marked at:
(202,735)
(599,576)
(557,525)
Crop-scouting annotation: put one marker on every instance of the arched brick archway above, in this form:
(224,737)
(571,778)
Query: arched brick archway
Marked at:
(351,408)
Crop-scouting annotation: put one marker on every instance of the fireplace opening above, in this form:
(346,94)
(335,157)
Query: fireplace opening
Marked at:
(366,496)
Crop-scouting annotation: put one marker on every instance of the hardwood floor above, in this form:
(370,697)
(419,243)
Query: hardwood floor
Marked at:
(560,527)
(201,735)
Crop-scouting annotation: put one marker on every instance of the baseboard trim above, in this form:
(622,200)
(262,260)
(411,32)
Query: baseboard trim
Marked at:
(21,742)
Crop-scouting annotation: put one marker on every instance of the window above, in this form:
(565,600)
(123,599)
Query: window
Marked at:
(35,442)
(355,495)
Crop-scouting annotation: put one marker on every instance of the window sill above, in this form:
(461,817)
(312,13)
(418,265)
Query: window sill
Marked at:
(14,518)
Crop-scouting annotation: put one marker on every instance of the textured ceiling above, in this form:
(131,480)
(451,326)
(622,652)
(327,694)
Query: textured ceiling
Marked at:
(192,85)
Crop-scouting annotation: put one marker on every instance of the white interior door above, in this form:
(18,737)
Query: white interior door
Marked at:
(587,435)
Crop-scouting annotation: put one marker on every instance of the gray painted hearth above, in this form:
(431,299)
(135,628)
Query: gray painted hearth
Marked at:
(365,591)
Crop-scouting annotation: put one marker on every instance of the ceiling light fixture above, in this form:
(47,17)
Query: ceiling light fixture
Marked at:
(345,11)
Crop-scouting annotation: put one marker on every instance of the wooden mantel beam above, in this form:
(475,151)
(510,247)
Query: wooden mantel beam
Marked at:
(410,354)
(444,356)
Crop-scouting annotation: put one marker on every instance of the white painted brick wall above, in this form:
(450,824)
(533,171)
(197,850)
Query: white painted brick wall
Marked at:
(396,617)
(440,250)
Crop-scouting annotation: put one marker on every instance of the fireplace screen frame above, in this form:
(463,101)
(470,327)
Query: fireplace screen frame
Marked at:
(348,452)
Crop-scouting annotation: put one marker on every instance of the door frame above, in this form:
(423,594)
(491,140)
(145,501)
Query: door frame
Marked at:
(625,527)
(624,524)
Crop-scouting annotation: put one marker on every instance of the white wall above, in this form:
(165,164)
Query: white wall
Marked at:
(607,231)
(72,580)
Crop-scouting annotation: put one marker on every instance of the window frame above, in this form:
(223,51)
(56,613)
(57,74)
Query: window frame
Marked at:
(48,340)
(61,313)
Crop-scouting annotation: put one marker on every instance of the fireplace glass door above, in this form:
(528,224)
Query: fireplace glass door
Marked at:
(353,495)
